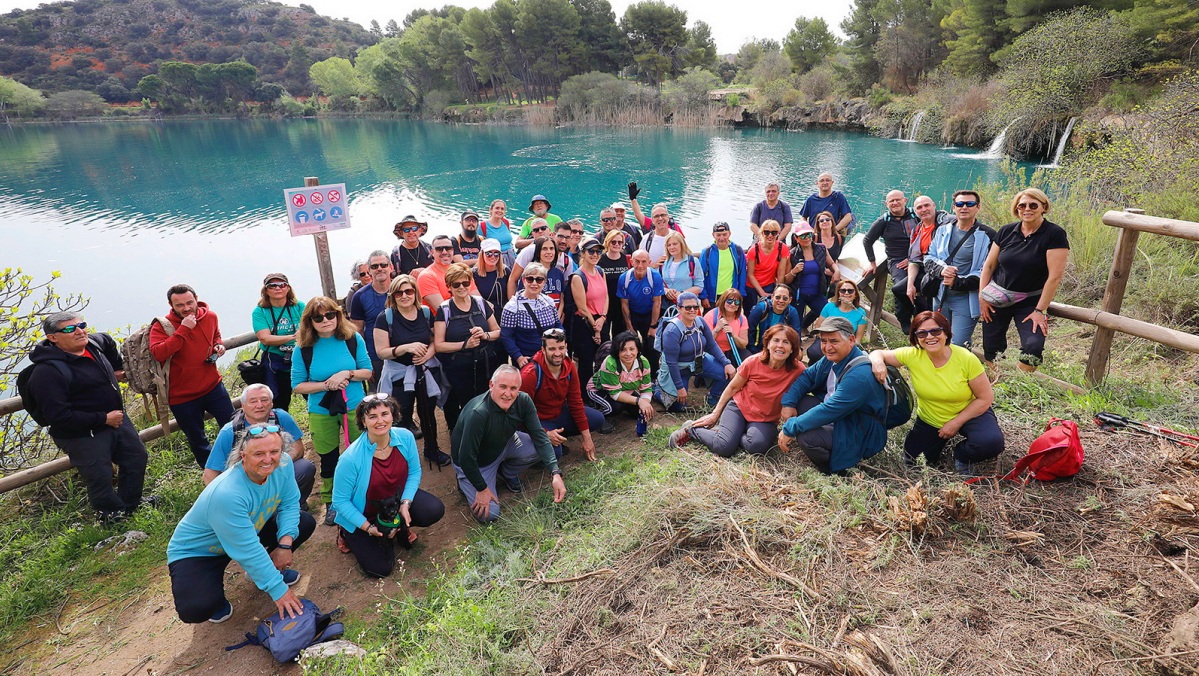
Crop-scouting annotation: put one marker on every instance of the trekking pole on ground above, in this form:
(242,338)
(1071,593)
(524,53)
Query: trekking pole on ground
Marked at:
(1113,421)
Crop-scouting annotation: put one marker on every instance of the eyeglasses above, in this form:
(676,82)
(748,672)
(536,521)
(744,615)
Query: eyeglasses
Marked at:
(379,266)
(661,215)
(328,316)
(554,334)
(847,291)
(444,247)
(71,328)
(966,203)
(770,233)
(459,285)
(923,333)
(608,220)
(1028,206)
(491,254)
(410,229)
(732,301)
(541,229)
(689,308)
(534,280)
(259,430)
(377,396)
(405,292)
(277,285)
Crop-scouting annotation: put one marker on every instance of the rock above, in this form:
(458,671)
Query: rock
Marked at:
(1184,635)
(332,649)
(122,544)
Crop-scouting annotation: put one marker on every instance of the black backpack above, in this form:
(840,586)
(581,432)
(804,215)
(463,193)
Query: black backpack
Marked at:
(899,395)
(32,407)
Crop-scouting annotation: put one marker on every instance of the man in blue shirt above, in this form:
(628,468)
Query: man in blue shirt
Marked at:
(249,514)
(835,408)
(771,209)
(640,291)
(256,409)
(827,199)
(366,305)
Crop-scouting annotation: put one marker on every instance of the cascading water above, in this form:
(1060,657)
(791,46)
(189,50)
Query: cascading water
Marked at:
(995,152)
(1061,145)
(913,134)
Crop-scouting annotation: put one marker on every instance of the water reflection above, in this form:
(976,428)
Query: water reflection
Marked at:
(126,209)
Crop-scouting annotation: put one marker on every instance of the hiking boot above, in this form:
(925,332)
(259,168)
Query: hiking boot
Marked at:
(330,515)
(223,613)
(437,457)
(290,576)
(681,436)
(963,468)
(513,484)
(608,427)
(411,426)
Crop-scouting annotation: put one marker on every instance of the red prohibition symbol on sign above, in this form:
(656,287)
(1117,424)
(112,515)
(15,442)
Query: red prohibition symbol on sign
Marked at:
(334,196)
(298,200)
(316,198)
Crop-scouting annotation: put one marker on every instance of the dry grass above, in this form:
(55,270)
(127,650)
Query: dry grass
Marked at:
(767,567)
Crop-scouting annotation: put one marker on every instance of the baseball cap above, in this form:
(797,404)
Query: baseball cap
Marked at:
(468,212)
(720,226)
(834,324)
(619,205)
(490,244)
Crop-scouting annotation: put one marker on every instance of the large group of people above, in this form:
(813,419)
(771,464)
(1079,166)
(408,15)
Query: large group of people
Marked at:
(525,335)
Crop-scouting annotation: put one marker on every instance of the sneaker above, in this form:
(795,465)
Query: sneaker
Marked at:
(330,515)
(513,484)
(608,428)
(290,576)
(963,468)
(150,501)
(223,613)
(680,436)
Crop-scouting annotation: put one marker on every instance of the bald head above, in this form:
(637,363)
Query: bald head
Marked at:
(925,208)
(897,202)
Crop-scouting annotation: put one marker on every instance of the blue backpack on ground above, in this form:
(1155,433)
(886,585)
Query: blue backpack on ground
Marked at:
(286,637)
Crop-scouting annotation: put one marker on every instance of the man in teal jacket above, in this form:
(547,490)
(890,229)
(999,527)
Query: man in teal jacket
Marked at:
(835,412)
(231,522)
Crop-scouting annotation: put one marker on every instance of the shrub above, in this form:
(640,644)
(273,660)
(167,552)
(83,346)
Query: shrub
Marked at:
(818,83)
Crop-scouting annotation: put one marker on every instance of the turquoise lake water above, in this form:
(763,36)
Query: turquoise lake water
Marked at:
(124,210)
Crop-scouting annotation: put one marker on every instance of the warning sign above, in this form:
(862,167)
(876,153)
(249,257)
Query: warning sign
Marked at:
(305,217)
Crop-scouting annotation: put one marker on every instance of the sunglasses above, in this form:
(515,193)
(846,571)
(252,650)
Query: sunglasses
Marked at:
(770,233)
(847,291)
(1028,206)
(923,333)
(328,316)
(732,301)
(554,334)
(689,308)
(608,220)
(444,247)
(491,254)
(806,235)
(410,229)
(71,328)
(405,292)
(825,220)
(364,273)
(277,285)
(259,430)
(378,396)
(534,280)
(459,285)
(575,232)
(966,203)
(380,266)
(594,251)
(541,229)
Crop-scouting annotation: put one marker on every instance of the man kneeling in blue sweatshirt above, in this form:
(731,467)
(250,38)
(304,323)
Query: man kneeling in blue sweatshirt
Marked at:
(835,408)
(231,521)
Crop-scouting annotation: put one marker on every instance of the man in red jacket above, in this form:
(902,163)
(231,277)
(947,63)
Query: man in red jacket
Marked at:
(551,379)
(192,348)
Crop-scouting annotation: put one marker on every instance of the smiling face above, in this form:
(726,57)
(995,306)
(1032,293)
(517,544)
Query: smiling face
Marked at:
(661,218)
(405,295)
(443,250)
(504,388)
(779,348)
(497,210)
(897,203)
(628,352)
(925,338)
(380,269)
(260,456)
(824,185)
(608,220)
(257,405)
(549,254)
(276,289)
(772,194)
(554,351)
(780,299)
(378,419)
(410,232)
(835,346)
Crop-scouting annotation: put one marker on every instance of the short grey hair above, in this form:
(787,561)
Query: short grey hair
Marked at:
(660,205)
(774,185)
(538,221)
(354,271)
(245,394)
(51,322)
(377,253)
(607,210)
(504,369)
(243,439)
(535,268)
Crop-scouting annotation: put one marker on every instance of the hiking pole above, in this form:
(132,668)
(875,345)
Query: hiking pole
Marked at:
(1113,421)
(733,347)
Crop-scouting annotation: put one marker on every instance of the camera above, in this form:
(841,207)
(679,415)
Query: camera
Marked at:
(389,519)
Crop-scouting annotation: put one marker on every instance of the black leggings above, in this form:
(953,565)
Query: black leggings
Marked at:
(468,379)
(425,408)
(376,555)
(1032,345)
(584,347)
(983,440)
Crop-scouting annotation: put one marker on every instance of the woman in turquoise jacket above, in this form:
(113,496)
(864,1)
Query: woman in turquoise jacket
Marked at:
(377,469)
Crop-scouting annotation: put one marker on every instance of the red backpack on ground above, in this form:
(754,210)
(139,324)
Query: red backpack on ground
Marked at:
(1055,454)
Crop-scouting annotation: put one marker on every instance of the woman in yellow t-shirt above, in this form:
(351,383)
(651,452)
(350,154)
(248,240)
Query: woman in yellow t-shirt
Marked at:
(953,394)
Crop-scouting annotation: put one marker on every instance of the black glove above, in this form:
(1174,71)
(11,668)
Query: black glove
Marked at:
(965,283)
(633,191)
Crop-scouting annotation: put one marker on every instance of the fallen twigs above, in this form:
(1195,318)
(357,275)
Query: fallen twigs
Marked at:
(542,579)
(758,563)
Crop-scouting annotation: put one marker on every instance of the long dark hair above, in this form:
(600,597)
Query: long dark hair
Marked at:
(619,341)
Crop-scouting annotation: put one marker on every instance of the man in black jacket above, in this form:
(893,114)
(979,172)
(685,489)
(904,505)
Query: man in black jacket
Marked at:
(895,228)
(75,384)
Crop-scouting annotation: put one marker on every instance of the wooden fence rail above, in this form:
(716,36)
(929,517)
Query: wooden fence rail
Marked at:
(27,476)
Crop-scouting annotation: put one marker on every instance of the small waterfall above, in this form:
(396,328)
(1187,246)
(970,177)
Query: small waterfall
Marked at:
(995,152)
(914,130)
(1061,145)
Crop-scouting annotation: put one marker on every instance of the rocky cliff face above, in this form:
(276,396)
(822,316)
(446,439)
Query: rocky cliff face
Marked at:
(852,114)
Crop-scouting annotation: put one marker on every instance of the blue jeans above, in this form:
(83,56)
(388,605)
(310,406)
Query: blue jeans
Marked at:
(983,440)
(566,423)
(278,378)
(190,416)
(713,372)
(517,456)
(956,308)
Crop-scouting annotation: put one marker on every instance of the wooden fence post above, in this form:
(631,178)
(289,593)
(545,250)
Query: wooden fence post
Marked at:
(878,289)
(324,260)
(1113,299)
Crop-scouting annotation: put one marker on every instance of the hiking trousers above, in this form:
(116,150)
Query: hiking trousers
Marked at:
(94,456)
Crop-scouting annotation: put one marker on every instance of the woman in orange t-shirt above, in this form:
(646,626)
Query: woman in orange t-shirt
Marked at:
(764,267)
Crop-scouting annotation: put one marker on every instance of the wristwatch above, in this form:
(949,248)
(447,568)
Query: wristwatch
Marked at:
(283,546)
(556,472)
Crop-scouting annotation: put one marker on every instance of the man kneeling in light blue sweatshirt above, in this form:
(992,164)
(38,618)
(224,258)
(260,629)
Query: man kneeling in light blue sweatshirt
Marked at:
(231,521)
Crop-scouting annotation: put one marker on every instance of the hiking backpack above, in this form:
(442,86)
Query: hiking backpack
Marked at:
(32,407)
(899,396)
(144,373)
(286,637)
(1055,454)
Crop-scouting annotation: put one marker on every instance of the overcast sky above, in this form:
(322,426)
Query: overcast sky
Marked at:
(733,22)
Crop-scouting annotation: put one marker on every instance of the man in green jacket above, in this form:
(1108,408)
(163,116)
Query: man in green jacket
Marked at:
(486,444)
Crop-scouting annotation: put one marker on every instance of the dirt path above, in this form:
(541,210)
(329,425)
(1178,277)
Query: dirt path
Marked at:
(141,634)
